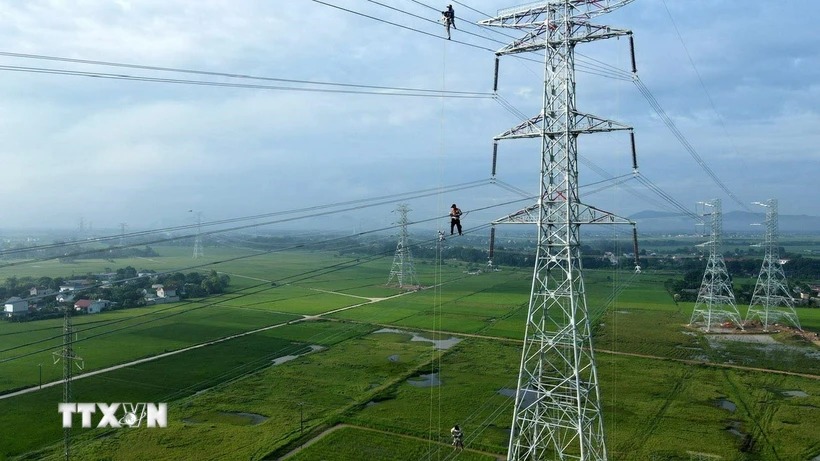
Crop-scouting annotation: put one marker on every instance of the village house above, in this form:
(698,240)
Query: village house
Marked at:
(15,306)
(89,306)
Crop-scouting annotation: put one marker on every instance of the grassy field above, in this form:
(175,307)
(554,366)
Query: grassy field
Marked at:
(360,391)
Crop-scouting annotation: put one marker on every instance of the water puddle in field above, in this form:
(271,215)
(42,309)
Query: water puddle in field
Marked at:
(794,393)
(441,344)
(428,380)
(284,358)
(726,404)
(246,419)
(734,429)
(288,358)
(528,396)
(393,358)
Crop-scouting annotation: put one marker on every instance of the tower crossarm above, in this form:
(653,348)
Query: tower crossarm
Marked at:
(581,124)
(586,215)
(535,13)
(580,32)
(528,215)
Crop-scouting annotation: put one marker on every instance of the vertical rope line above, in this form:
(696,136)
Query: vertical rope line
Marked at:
(435,394)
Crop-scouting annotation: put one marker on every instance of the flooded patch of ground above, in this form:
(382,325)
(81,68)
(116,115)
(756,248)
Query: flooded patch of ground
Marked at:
(288,358)
(794,393)
(429,380)
(527,395)
(442,344)
(726,404)
(284,358)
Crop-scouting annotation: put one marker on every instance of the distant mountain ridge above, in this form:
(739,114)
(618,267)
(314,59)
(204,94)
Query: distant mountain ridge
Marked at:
(733,221)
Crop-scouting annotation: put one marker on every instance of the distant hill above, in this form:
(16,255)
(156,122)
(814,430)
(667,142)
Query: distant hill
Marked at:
(733,221)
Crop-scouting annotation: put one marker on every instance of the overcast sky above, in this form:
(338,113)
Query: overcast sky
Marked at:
(739,80)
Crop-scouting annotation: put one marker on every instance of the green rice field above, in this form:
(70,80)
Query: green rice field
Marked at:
(336,365)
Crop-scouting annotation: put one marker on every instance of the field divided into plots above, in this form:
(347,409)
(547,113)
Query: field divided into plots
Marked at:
(337,383)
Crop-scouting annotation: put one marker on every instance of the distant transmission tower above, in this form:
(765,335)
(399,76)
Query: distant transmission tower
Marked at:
(771,300)
(69,358)
(198,252)
(123,227)
(557,414)
(716,301)
(403,270)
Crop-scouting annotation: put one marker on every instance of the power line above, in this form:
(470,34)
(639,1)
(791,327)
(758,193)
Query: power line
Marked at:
(290,279)
(227,74)
(137,78)
(399,25)
(650,98)
(350,206)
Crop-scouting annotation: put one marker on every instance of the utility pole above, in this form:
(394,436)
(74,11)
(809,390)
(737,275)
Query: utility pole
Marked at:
(403,269)
(557,413)
(771,300)
(716,300)
(69,358)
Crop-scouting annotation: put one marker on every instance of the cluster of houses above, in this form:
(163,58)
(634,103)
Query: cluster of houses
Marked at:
(16,306)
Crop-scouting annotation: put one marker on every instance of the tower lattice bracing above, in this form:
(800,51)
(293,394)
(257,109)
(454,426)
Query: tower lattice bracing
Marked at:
(198,252)
(69,359)
(771,300)
(716,301)
(403,271)
(557,413)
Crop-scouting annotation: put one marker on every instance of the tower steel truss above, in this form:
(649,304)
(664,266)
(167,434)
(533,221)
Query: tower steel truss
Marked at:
(557,414)
(716,300)
(403,270)
(69,359)
(771,300)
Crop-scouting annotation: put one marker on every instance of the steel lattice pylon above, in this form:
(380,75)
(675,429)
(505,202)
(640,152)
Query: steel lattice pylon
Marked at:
(557,412)
(403,270)
(716,301)
(69,358)
(198,252)
(771,300)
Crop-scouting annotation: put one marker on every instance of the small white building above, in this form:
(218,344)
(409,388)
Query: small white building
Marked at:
(15,306)
(163,292)
(65,297)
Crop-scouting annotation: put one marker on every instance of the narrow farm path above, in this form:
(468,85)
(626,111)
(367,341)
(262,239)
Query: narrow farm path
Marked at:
(392,434)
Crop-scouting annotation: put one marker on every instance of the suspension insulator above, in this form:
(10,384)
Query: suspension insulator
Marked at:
(495,156)
(492,242)
(635,245)
(634,154)
(495,78)
(632,53)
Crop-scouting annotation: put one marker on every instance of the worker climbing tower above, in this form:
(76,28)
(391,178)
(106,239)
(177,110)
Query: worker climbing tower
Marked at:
(557,413)
(771,300)
(403,270)
(716,301)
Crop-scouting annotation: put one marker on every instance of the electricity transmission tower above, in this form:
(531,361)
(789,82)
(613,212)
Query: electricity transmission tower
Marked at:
(69,358)
(123,227)
(771,300)
(557,414)
(403,270)
(716,301)
(198,252)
